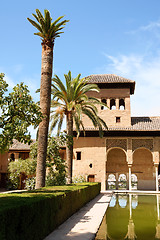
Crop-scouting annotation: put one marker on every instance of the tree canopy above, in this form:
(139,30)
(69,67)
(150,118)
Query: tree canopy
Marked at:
(18,112)
(70,101)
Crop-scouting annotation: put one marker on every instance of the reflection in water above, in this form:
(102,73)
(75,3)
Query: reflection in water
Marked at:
(134,201)
(122,200)
(113,201)
(131,231)
(158,220)
(134,217)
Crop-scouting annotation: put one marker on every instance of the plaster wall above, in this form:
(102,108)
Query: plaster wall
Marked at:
(93,151)
(3,162)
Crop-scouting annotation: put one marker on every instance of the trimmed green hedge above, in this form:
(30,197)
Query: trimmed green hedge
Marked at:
(33,215)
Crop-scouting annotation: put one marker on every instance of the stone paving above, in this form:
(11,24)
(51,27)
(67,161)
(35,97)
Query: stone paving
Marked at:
(84,224)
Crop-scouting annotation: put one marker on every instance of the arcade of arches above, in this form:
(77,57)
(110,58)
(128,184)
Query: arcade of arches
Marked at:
(137,171)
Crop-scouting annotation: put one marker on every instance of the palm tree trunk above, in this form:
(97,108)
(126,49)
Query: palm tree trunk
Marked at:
(69,147)
(45,101)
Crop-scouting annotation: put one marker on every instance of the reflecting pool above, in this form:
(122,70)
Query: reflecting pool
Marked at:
(131,217)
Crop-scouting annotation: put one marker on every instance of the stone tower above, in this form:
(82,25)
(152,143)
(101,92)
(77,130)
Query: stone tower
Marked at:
(115,91)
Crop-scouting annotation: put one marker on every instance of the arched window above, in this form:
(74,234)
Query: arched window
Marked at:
(103,100)
(134,181)
(112,104)
(121,104)
(111,181)
(122,181)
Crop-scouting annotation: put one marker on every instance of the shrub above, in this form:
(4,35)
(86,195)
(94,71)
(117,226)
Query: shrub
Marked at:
(27,166)
(79,179)
(33,215)
(30,183)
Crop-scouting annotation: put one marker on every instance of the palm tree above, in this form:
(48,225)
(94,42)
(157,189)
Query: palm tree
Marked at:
(48,31)
(71,102)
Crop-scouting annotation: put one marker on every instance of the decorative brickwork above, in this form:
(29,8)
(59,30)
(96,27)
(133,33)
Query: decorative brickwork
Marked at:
(138,143)
(122,143)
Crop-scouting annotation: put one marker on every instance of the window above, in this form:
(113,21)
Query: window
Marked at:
(90,165)
(112,104)
(103,101)
(118,119)
(121,104)
(78,155)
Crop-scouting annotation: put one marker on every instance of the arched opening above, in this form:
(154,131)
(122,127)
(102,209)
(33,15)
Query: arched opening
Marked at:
(12,157)
(143,167)
(122,181)
(103,100)
(112,104)
(134,181)
(111,181)
(121,104)
(117,165)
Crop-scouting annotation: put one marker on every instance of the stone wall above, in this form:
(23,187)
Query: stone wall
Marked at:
(109,116)
(117,155)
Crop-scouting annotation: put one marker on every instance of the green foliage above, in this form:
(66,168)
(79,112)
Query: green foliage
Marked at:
(48,30)
(27,166)
(18,112)
(79,179)
(35,214)
(56,168)
(30,183)
(72,98)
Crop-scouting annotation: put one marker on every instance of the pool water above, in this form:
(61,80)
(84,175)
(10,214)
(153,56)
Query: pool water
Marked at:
(131,217)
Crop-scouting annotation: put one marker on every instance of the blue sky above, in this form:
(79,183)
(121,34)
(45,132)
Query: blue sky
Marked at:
(118,36)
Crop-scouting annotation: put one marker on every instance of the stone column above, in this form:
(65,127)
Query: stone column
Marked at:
(129,161)
(116,181)
(16,156)
(108,103)
(117,103)
(129,177)
(156,172)
(156,158)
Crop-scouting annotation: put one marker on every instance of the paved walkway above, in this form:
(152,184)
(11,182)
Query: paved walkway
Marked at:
(84,224)
(2,190)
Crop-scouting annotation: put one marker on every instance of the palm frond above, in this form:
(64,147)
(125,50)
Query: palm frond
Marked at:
(35,25)
(47,20)
(72,97)
(54,122)
(60,125)
(91,116)
(77,124)
(56,80)
(48,31)
(34,15)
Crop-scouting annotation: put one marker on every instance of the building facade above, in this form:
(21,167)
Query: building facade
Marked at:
(130,147)
(16,151)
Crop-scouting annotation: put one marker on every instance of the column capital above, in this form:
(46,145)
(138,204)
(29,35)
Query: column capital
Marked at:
(130,165)
(156,164)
